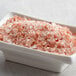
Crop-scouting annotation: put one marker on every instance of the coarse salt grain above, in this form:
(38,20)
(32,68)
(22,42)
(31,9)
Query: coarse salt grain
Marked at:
(40,35)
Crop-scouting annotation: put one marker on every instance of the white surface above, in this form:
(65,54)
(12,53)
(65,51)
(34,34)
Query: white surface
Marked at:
(2,60)
(62,11)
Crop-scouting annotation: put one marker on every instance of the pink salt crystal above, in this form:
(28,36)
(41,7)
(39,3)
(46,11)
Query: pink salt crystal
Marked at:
(40,35)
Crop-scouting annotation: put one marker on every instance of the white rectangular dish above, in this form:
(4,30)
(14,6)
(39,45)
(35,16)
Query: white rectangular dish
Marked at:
(36,58)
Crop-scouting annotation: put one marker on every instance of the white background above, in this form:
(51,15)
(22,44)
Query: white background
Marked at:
(60,11)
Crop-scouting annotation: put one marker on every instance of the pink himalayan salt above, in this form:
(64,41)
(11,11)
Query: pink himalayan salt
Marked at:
(40,35)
